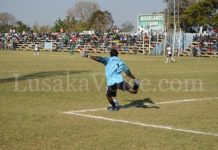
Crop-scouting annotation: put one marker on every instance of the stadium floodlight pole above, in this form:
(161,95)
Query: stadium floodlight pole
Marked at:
(179,48)
(174,29)
(157,43)
(143,40)
(149,50)
(51,45)
(165,37)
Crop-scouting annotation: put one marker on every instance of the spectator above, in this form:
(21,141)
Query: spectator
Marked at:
(169,55)
(36,49)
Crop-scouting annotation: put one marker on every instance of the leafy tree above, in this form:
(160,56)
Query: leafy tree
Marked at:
(45,29)
(100,21)
(80,26)
(199,14)
(82,10)
(70,23)
(59,24)
(126,27)
(215,21)
(6,22)
(180,6)
(35,27)
(20,27)
(73,25)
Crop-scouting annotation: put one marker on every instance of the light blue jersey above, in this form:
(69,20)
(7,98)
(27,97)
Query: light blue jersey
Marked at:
(114,66)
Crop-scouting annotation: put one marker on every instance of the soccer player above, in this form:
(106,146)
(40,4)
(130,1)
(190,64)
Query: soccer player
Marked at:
(36,49)
(169,55)
(72,48)
(114,66)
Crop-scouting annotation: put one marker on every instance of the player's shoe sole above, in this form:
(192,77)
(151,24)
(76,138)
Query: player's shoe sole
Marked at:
(113,108)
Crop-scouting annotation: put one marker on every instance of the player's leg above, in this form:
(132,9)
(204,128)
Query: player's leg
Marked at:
(124,86)
(173,59)
(136,84)
(72,49)
(111,92)
(110,100)
(167,59)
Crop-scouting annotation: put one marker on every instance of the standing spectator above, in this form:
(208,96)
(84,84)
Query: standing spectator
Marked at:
(36,49)
(169,55)
(1,44)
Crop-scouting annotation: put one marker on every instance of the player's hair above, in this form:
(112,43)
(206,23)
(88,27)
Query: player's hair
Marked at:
(113,52)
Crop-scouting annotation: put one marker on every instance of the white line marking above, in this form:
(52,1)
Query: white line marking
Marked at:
(142,124)
(187,100)
(88,110)
(160,103)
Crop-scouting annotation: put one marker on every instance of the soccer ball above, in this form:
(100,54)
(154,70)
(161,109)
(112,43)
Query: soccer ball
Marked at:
(116,102)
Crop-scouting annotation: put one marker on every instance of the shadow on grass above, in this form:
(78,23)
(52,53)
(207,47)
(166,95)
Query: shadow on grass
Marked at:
(145,103)
(42,74)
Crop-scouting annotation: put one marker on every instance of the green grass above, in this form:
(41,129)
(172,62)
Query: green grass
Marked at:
(31,107)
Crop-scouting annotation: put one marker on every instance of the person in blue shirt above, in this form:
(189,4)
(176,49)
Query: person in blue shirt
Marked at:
(114,67)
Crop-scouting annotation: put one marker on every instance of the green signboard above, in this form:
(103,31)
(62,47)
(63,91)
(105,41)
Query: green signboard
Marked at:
(153,21)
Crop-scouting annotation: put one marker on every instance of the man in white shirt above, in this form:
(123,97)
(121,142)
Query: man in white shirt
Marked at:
(169,55)
(36,48)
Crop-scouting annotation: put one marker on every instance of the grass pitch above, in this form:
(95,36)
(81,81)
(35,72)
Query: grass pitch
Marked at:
(36,90)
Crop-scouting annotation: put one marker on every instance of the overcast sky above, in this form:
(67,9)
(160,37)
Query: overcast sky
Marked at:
(46,12)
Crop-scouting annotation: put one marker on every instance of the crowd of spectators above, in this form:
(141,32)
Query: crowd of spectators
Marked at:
(205,42)
(11,40)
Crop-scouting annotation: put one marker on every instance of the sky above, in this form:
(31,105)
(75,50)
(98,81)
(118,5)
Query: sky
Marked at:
(46,12)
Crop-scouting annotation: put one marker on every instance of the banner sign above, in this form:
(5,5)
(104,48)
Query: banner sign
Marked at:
(48,46)
(153,21)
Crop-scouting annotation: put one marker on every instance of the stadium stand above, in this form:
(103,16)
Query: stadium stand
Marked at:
(204,46)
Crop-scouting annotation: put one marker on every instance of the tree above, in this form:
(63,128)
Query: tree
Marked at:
(126,27)
(35,27)
(82,10)
(45,29)
(70,23)
(180,6)
(216,21)
(80,26)
(199,14)
(20,27)
(73,25)
(59,24)
(6,22)
(100,21)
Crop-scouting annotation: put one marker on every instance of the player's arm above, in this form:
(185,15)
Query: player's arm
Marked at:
(127,71)
(96,58)
(100,59)
(129,74)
